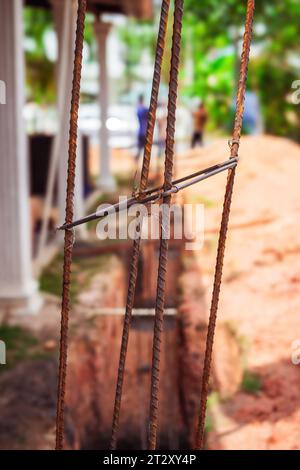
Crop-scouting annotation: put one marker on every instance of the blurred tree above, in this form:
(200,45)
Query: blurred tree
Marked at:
(40,70)
(216,30)
(137,38)
(212,37)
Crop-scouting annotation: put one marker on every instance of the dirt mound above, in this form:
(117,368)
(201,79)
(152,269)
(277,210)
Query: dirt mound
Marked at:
(260,297)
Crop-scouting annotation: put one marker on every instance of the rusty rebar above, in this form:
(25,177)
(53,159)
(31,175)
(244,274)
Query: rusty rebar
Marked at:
(136,244)
(68,240)
(224,222)
(161,280)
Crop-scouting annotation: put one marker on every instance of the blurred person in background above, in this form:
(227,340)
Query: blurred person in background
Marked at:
(200,119)
(252,115)
(142,115)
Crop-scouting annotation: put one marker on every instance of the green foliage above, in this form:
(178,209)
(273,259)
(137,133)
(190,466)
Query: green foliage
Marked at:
(251,382)
(215,30)
(136,37)
(19,344)
(212,400)
(212,35)
(40,71)
(37,22)
(209,424)
(83,270)
(124,180)
(51,278)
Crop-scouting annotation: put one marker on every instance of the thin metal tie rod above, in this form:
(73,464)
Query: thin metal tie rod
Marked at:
(156,193)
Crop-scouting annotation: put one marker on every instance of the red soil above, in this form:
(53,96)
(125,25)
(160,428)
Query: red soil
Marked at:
(260,295)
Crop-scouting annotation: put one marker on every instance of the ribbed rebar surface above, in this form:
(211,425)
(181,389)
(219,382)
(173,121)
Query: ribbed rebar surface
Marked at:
(165,222)
(68,241)
(133,271)
(224,222)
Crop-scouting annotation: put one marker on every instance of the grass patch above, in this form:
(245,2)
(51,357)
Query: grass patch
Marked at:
(251,382)
(198,199)
(51,278)
(212,400)
(124,181)
(83,269)
(20,344)
(104,198)
(209,424)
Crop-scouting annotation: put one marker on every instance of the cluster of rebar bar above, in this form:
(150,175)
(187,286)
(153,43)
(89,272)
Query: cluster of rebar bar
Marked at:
(145,196)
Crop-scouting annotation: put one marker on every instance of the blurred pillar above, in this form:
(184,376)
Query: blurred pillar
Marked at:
(18,290)
(106,180)
(65,14)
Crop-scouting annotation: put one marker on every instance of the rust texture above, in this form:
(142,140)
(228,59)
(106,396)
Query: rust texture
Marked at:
(224,222)
(136,245)
(68,240)
(161,281)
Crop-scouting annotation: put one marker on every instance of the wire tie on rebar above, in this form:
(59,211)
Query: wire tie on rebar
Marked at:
(159,196)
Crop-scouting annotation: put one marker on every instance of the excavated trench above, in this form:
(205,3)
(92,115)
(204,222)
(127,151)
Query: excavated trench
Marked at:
(29,390)
(94,353)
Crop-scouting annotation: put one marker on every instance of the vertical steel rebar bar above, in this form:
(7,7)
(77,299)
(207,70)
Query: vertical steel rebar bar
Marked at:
(133,271)
(224,222)
(165,222)
(68,241)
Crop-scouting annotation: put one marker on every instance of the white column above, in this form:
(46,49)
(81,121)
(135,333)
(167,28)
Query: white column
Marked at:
(18,290)
(65,14)
(106,180)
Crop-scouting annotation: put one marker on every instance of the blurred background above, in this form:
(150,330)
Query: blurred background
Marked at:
(254,401)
